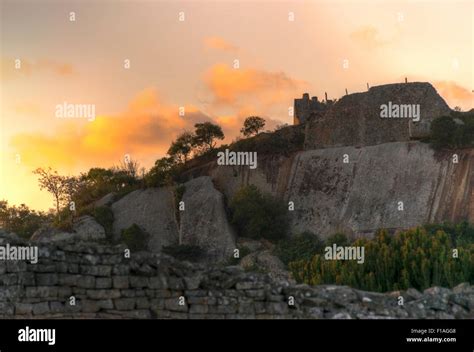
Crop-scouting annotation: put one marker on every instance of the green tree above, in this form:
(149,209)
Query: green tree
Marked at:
(252,125)
(182,147)
(61,187)
(258,215)
(21,220)
(205,135)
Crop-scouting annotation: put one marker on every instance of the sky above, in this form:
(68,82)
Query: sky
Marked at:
(141,63)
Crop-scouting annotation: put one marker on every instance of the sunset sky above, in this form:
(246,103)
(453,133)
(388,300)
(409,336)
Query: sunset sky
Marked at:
(189,64)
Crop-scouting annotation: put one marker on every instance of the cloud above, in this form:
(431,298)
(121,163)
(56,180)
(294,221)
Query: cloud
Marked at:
(27,108)
(368,37)
(144,130)
(229,85)
(29,67)
(455,94)
(218,43)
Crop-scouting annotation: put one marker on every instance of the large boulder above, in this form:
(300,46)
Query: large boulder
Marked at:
(85,229)
(204,221)
(106,200)
(265,261)
(152,209)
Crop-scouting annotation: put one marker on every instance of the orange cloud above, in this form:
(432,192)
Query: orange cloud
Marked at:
(228,85)
(455,94)
(218,43)
(28,67)
(144,131)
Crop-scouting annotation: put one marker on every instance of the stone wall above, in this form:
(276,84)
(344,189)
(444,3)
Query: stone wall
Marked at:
(105,284)
(355,119)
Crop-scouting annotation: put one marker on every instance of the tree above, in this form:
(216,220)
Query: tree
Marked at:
(182,147)
(258,215)
(21,220)
(205,135)
(443,131)
(252,125)
(61,187)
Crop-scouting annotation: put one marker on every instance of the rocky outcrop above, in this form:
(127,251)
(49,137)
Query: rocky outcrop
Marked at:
(363,194)
(266,262)
(355,119)
(393,185)
(84,228)
(152,209)
(105,284)
(204,221)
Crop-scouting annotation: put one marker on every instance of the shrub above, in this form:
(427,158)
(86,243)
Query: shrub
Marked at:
(135,238)
(414,258)
(22,220)
(186,252)
(105,217)
(300,247)
(258,215)
(447,133)
(338,238)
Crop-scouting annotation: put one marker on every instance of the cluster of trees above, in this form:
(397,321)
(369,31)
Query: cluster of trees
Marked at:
(22,220)
(73,195)
(455,131)
(190,144)
(414,258)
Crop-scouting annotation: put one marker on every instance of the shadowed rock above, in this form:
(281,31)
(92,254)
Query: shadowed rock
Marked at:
(204,221)
(153,210)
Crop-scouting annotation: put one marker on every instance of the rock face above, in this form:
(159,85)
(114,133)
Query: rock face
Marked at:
(152,209)
(355,119)
(107,285)
(393,185)
(364,194)
(87,229)
(204,221)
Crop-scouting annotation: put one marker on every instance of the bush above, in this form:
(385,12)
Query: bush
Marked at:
(414,258)
(339,239)
(446,133)
(135,238)
(300,247)
(258,215)
(105,217)
(21,220)
(186,252)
